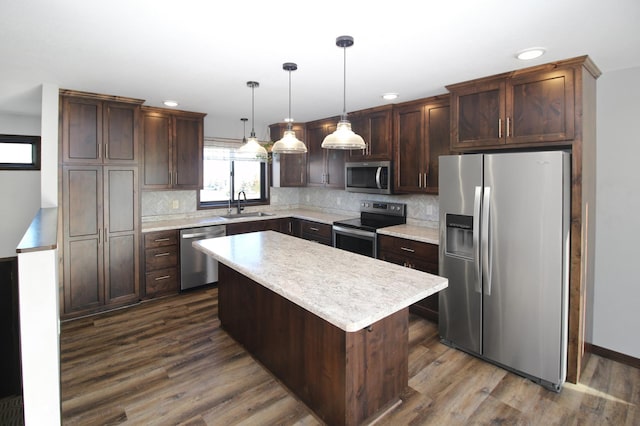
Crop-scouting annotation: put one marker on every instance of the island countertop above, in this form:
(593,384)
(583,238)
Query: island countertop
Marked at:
(348,290)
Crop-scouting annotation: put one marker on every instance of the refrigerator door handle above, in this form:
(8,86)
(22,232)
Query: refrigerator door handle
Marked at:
(486,254)
(476,238)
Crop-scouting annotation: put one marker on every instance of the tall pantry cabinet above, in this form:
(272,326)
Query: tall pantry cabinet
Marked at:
(100,201)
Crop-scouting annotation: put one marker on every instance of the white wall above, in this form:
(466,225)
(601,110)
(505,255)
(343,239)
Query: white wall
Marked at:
(49,146)
(19,190)
(616,298)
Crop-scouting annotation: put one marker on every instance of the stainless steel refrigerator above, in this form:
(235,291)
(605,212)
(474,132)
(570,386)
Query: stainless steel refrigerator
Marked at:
(504,246)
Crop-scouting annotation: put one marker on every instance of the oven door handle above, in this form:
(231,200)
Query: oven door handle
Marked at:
(378,173)
(352,231)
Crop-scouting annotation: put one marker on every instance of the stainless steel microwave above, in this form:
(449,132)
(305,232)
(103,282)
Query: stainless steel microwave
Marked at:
(372,177)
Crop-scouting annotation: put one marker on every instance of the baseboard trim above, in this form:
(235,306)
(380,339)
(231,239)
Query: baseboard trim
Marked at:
(613,355)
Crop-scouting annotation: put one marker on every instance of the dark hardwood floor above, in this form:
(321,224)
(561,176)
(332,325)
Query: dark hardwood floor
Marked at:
(167,362)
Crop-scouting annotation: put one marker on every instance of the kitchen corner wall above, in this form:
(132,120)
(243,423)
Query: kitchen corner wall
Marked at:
(421,209)
(616,293)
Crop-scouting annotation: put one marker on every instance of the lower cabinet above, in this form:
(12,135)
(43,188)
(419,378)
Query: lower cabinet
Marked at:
(100,216)
(316,231)
(256,226)
(416,255)
(161,263)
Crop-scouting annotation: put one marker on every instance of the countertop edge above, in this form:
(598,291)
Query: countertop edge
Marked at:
(42,232)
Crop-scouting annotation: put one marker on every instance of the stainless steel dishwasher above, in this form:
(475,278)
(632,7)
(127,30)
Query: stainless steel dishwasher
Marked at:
(196,268)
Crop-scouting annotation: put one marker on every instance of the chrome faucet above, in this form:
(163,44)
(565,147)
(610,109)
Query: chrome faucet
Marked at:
(240,207)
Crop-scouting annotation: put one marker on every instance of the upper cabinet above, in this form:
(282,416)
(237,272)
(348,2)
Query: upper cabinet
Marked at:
(421,134)
(99,129)
(375,127)
(289,170)
(325,167)
(172,149)
(526,108)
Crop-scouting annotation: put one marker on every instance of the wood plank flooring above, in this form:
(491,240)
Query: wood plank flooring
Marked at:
(167,362)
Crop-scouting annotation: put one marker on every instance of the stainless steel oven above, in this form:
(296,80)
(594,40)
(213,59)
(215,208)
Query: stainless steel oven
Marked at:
(358,235)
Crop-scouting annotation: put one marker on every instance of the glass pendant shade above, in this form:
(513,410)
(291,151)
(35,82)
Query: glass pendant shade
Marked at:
(343,138)
(289,144)
(252,150)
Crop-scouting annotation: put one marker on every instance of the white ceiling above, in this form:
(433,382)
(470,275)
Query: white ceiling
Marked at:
(202,52)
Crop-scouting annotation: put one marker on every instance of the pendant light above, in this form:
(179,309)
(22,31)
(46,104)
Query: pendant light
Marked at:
(344,137)
(289,144)
(251,149)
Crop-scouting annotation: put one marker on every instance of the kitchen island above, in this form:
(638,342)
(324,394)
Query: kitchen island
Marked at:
(330,324)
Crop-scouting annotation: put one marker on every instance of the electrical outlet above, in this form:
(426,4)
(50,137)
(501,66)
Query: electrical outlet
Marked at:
(175,204)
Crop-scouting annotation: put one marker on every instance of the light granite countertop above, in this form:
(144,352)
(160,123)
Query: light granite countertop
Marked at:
(348,290)
(164,225)
(412,232)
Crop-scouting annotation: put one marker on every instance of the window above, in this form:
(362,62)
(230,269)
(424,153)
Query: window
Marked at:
(225,177)
(19,152)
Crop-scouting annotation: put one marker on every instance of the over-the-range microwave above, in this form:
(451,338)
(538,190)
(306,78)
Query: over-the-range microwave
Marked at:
(372,177)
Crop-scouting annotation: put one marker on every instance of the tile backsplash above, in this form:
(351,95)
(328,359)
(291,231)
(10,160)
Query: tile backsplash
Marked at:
(421,209)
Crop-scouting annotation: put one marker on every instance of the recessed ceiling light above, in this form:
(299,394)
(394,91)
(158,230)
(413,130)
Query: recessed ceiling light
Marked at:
(531,53)
(170,103)
(390,96)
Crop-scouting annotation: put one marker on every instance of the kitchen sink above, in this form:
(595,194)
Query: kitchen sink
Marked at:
(251,214)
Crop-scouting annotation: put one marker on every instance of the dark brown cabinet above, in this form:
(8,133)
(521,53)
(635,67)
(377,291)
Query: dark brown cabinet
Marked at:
(421,130)
(316,231)
(172,144)
(100,207)
(325,167)
(514,108)
(162,263)
(416,255)
(278,224)
(100,201)
(288,170)
(375,127)
(96,130)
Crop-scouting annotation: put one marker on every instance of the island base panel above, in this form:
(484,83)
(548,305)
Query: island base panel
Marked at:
(346,378)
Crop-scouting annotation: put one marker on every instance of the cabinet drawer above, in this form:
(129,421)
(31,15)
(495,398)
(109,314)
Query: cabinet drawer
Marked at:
(410,248)
(160,239)
(320,230)
(161,281)
(161,257)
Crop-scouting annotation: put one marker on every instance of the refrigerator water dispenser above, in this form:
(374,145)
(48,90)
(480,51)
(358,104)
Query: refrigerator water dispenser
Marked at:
(459,236)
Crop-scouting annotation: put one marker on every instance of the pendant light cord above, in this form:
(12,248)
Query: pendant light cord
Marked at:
(290,125)
(253,132)
(344,85)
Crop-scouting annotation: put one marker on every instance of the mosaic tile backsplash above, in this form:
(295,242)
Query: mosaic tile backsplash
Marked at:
(421,209)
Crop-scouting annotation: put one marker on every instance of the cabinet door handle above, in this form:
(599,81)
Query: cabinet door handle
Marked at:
(106,151)
(314,229)
(175,176)
(407,249)
(327,178)
(158,240)
(419,180)
(99,236)
(162,254)
(499,128)
(426,180)
(508,126)
(164,277)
